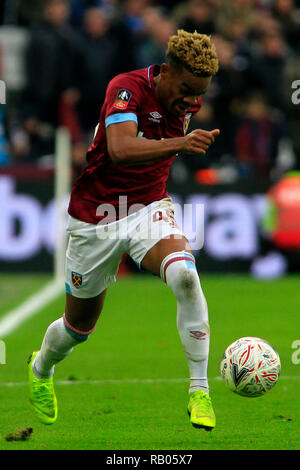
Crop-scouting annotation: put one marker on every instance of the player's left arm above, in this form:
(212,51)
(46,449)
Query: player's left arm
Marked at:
(125,147)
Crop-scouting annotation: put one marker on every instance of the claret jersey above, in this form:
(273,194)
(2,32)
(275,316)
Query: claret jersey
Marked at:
(129,97)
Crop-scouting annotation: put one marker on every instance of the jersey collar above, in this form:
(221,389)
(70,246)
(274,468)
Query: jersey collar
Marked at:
(151,71)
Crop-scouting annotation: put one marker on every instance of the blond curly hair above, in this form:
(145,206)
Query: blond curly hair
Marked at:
(193,51)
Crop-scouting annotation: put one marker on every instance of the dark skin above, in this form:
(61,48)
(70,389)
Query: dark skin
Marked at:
(177,90)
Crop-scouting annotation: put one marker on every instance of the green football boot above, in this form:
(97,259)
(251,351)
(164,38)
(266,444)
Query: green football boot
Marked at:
(42,395)
(201,411)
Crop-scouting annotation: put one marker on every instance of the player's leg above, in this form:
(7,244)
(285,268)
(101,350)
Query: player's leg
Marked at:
(92,260)
(91,266)
(61,337)
(172,259)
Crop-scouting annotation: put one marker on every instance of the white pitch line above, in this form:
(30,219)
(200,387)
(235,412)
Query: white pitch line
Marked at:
(30,307)
(129,381)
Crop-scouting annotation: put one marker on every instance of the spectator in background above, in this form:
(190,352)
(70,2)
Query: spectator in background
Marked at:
(51,60)
(230,82)
(157,31)
(262,22)
(239,33)
(102,57)
(30,11)
(133,11)
(257,42)
(228,11)
(268,67)
(79,7)
(257,136)
(99,62)
(284,13)
(198,16)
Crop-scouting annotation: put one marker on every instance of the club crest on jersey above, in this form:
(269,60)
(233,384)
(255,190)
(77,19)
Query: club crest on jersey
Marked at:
(122,99)
(77,280)
(186,122)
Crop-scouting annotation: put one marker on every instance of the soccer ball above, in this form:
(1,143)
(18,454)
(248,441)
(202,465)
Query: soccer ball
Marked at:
(250,366)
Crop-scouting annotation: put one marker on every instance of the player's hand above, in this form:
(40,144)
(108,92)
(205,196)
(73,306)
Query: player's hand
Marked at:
(198,141)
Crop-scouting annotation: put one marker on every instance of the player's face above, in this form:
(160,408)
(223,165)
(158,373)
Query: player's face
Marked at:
(180,91)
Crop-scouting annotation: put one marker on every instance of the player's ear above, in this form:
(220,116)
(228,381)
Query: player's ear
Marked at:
(164,70)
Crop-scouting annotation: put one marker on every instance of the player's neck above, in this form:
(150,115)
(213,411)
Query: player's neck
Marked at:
(156,80)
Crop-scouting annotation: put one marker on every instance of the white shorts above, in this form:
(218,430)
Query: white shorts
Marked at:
(94,252)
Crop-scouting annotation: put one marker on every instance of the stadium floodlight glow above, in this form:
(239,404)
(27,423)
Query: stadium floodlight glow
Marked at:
(2,92)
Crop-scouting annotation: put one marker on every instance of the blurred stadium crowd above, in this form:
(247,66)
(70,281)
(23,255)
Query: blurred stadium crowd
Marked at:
(57,56)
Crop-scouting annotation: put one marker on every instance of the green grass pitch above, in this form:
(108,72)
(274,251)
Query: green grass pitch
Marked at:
(126,387)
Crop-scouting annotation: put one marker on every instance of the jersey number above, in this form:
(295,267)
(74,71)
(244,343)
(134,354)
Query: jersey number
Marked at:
(169,217)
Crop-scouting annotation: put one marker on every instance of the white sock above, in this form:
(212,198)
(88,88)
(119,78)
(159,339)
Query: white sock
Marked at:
(178,270)
(57,344)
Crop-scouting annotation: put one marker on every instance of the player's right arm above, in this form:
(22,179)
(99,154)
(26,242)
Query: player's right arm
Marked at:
(125,147)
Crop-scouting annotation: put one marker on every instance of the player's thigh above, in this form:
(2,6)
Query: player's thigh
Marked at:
(82,313)
(171,244)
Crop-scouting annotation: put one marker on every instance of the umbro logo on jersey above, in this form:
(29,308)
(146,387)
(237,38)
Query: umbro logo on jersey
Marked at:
(155,116)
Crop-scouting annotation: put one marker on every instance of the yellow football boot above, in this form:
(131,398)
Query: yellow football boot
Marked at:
(201,411)
(42,395)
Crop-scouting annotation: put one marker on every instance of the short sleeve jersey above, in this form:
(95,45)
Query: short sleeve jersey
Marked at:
(129,97)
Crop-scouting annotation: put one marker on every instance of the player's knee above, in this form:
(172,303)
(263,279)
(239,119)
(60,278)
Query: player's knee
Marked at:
(187,283)
(81,315)
(79,335)
(179,272)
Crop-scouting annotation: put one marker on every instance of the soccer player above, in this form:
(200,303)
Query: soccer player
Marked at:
(119,205)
